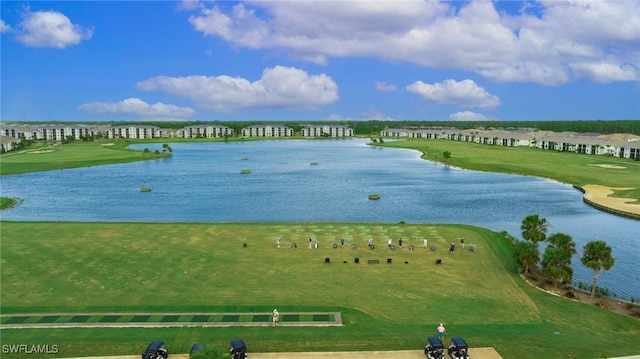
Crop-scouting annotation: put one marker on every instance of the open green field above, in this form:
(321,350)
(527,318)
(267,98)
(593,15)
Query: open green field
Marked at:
(71,155)
(566,167)
(200,267)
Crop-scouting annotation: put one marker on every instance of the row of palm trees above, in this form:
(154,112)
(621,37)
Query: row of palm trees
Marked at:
(556,258)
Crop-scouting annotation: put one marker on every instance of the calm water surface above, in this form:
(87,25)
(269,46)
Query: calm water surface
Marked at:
(202,183)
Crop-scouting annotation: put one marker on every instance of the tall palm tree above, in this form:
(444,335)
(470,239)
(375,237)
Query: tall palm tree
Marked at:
(534,228)
(597,255)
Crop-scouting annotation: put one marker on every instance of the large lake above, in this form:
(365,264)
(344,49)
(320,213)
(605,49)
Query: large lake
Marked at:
(202,183)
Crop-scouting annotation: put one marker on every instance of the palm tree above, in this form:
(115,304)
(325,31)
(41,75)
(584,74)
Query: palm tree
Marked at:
(560,251)
(556,265)
(527,254)
(563,241)
(534,228)
(597,255)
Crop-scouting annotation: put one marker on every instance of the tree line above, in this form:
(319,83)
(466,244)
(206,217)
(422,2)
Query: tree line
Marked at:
(555,263)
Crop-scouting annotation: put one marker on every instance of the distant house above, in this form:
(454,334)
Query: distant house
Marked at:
(7,143)
(204,131)
(326,130)
(267,131)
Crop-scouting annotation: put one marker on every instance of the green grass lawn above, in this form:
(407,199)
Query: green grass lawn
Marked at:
(71,155)
(566,167)
(197,267)
(6,202)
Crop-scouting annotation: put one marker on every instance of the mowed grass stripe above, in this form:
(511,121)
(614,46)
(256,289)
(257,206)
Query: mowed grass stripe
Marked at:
(230,318)
(109,319)
(170,318)
(14,320)
(200,318)
(140,318)
(79,319)
(261,318)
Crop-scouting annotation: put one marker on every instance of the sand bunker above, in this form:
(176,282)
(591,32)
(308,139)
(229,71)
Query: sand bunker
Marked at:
(609,166)
(40,151)
(600,195)
(107,144)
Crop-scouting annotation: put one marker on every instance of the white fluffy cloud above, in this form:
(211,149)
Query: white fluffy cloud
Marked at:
(139,108)
(4,27)
(465,93)
(279,87)
(469,116)
(384,87)
(549,43)
(50,29)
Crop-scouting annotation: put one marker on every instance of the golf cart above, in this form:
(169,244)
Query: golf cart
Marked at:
(155,350)
(458,349)
(238,349)
(434,348)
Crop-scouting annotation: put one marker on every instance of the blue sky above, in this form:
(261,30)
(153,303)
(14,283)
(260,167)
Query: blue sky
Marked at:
(319,60)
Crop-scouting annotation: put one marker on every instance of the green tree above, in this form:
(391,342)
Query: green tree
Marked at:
(447,157)
(597,255)
(527,254)
(555,265)
(534,228)
(559,252)
(563,241)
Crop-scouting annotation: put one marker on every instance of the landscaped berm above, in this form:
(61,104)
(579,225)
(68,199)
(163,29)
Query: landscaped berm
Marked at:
(226,275)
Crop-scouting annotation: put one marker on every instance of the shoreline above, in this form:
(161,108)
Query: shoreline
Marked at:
(599,198)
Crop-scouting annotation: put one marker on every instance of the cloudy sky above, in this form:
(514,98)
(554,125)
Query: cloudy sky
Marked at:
(320,60)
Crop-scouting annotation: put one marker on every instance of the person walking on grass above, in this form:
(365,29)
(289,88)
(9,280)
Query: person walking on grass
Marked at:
(276,318)
(441,332)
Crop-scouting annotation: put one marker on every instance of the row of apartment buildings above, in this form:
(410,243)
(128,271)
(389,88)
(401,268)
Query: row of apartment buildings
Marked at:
(615,145)
(13,133)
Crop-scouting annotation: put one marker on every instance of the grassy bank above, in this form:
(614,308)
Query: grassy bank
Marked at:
(71,155)
(571,168)
(128,267)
